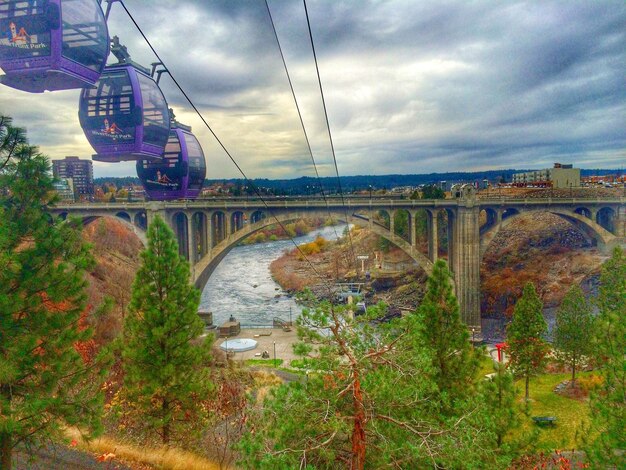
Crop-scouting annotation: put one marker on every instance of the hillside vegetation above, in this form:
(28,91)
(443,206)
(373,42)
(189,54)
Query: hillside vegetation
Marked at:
(541,248)
(116,250)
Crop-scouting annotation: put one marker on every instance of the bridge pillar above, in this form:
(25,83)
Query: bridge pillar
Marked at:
(451,238)
(191,244)
(153,209)
(191,239)
(466,264)
(227,224)
(620,222)
(212,234)
(433,241)
(465,261)
(413,237)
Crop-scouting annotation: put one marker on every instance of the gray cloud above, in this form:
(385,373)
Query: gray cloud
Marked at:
(411,86)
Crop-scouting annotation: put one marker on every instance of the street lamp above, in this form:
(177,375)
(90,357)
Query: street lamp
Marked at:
(370,188)
(473,330)
(275,354)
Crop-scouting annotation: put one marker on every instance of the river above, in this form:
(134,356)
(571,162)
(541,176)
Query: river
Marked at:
(242,284)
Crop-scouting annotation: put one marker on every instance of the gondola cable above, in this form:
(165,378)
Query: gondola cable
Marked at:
(293,94)
(330,137)
(221,144)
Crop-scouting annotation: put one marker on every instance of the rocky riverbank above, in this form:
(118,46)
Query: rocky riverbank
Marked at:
(537,247)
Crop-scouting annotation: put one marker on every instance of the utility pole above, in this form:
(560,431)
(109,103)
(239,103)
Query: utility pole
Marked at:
(275,365)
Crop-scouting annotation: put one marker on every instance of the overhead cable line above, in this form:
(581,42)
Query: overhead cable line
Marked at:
(232,159)
(293,93)
(330,136)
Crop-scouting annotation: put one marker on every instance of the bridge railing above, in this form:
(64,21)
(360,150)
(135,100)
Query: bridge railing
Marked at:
(320,204)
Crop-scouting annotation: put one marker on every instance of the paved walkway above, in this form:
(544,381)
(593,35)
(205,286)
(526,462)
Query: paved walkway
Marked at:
(266,338)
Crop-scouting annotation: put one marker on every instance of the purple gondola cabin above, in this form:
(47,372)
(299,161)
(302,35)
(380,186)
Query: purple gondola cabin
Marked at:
(125,116)
(52,44)
(181,172)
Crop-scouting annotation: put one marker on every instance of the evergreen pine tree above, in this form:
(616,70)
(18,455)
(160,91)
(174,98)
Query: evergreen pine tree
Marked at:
(11,139)
(526,347)
(44,382)
(498,395)
(608,406)
(454,361)
(166,370)
(370,402)
(572,335)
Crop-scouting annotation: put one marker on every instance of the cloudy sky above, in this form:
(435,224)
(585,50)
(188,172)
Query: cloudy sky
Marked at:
(412,86)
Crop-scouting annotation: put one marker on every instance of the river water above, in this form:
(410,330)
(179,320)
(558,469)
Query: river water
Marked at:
(242,285)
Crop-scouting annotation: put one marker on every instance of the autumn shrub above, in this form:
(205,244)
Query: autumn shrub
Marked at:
(310,248)
(556,461)
(590,382)
(321,242)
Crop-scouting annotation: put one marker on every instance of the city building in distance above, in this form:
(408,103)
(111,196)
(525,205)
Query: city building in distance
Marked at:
(65,188)
(561,176)
(81,173)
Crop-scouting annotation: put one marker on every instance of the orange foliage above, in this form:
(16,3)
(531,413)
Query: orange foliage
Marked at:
(86,349)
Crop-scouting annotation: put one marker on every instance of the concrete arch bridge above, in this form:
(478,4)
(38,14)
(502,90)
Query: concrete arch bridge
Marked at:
(208,229)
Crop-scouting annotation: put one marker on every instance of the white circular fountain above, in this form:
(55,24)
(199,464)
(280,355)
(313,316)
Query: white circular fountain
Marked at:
(238,344)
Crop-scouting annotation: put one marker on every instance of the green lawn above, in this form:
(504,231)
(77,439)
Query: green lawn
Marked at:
(308,363)
(485,366)
(570,413)
(264,362)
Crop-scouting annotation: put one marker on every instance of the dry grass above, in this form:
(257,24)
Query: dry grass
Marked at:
(264,381)
(144,457)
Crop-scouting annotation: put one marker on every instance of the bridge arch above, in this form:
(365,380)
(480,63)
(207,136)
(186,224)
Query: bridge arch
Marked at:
(601,237)
(605,217)
(205,267)
(584,211)
(237,220)
(199,229)
(141,220)
(124,216)
(510,212)
(141,234)
(488,217)
(257,216)
(422,226)
(218,227)
(402,224)
(382,218)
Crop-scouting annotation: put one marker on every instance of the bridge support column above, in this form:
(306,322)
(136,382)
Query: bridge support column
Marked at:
(208,234)
(413,236)
(191,240)
(227,224)
(620,222)
(157,208)
(465,261)
(433,241)
(452,229)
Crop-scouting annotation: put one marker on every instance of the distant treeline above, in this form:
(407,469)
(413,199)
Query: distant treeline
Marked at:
(309,185)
